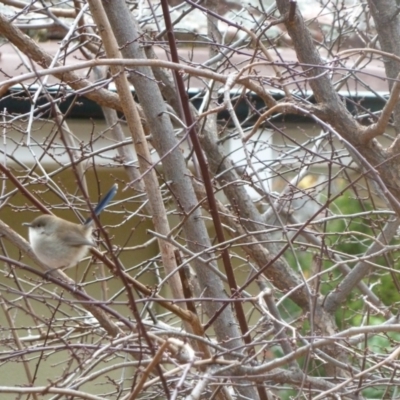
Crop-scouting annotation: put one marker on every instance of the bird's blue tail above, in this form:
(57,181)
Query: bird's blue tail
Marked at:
(103,203)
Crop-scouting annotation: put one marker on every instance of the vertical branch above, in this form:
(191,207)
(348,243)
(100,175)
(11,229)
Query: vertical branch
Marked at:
(204,172)
(178,177)
(139,139)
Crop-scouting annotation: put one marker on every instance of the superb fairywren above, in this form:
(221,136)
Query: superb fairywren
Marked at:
(61,244)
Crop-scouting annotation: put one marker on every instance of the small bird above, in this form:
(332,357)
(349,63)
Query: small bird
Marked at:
(61,244)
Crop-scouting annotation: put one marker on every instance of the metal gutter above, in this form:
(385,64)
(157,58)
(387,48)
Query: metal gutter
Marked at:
(17,100)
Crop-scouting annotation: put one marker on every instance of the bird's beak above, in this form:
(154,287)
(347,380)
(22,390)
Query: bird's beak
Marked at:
(27,224)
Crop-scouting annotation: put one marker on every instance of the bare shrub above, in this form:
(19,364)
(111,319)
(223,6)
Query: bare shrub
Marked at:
(251,251)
